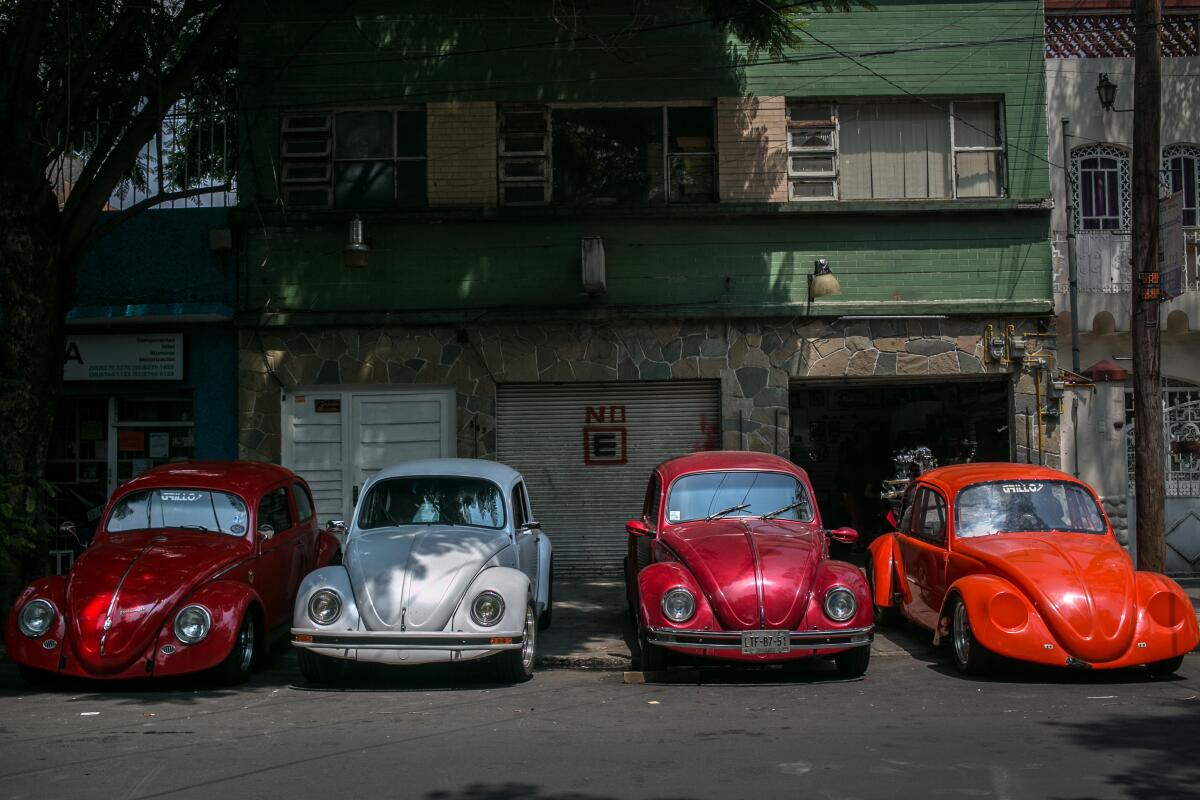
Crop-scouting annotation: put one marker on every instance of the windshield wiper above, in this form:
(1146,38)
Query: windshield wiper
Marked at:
(785,509)
(724,511)
(194,528)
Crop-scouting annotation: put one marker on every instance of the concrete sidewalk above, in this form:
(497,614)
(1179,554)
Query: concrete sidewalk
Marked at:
(591,629)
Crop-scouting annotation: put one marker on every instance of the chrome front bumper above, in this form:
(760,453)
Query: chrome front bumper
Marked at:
(390,640)
(732,640)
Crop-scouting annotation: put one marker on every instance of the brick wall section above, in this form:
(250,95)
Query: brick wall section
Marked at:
(752,148)
(462,154)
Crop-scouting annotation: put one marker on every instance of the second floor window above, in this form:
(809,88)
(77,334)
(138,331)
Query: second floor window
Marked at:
(1100,183)
(1182,163)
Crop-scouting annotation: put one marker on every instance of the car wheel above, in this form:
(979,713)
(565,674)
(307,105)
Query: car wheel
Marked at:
(318,669)
(548,612)
(1168,666)
(37,678)
(237,665)
(970,656)
(651,657)
(853,663)
(516,666)
(883,616)
(630,594)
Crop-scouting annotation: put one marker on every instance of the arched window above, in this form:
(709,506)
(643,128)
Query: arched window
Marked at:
(1182,164)
(1100,188)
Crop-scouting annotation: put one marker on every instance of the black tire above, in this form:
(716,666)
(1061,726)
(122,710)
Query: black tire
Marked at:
(853,663)
(37,678)
(883,616)
(238,665)
(548,613)
(970,656)
(651,657)
(317,669)
(516,666)
(1168,666)
(631,611)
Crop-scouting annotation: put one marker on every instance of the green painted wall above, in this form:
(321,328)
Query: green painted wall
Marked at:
(718,259)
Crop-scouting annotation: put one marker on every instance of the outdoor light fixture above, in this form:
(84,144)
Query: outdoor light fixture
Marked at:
(822,282)
(1107,91)
(356,251)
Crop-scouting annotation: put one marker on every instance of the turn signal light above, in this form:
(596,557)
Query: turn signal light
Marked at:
(302,637)
(501,640)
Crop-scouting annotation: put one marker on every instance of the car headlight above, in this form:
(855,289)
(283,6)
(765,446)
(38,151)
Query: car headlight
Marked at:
(192,624)
(36,618)
(678,604)
(840,604)
(324,607)
(487,608)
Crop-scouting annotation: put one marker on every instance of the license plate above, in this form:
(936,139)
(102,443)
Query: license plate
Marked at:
(758,642)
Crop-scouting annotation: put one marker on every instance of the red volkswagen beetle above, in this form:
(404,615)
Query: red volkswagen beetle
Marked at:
(192,566)
(1020,561)
(730,561)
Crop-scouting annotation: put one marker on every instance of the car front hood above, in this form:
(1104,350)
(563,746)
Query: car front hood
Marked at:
(412,577)
(1083,586)
(149,573)
(742,563)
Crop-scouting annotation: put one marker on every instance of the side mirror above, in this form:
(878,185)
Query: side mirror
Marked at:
(844,535)
(68,530)
(532,525)
(336,525)
(266,531)
(635,527)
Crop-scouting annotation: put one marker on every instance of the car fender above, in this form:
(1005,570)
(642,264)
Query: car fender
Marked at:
(656,580)
(839,573)
(886,562)
(329,549)
(1166,625)
(31,652)
(545,560)
(1023,638)
(228,602)
(337,579)
(513,587)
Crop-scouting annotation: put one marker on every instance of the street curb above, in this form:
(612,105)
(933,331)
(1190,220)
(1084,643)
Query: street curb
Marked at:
(588,662)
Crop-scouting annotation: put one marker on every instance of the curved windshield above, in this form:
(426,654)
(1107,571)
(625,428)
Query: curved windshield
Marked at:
(1026,506)
(433,500)
(708,495)
(191,509)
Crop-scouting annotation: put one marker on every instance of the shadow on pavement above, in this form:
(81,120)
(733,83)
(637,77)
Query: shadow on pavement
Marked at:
(1007,671)
(517,791)
(591,627)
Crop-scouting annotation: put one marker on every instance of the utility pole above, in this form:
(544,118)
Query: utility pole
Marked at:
(1149,486)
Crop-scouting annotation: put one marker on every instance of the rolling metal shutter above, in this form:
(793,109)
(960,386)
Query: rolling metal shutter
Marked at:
(586,451)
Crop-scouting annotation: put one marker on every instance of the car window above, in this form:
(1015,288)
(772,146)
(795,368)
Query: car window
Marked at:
(273,510)
(912,512)
(190,509)
(933,517)
(304,509)
(653,503)
(433,500)
(518,505)
(1026,506)
(703,494)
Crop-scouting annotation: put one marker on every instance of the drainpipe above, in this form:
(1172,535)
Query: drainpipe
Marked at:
(1072,267)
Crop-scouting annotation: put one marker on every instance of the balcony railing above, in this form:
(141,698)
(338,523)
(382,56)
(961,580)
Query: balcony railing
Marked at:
(1104,259)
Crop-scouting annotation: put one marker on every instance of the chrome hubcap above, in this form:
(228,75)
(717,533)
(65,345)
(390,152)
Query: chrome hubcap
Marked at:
(962,634)
(246,643)
(527,646)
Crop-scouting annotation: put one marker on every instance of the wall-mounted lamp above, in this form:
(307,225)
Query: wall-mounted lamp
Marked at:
(1106,90)
(357,251)
(822,282)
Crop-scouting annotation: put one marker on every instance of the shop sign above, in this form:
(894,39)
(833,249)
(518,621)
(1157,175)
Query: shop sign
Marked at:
(124,357)
(605,443)
(1170,245)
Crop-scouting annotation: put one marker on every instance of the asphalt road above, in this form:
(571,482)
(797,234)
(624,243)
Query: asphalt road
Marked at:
(911,728)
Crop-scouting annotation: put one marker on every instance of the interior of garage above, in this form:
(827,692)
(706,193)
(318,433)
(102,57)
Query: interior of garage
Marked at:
(846,436)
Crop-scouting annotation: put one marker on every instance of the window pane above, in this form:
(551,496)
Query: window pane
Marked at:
(691,130)
(527,121)
(810,112)
(303,507)
(410,133)
(524,143)
(432,500)
(410,183)
(894,151)
(529,193)
(809,164)
(812,190)
(691,179)
(976,124)
(979,174)
(811,138)
(519,170)
(364,134)
(364,184)
(608,155)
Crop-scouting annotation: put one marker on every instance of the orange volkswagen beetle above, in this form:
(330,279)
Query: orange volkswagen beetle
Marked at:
(1020,561)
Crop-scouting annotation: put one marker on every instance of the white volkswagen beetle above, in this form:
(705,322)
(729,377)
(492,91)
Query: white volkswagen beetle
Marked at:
(443,562)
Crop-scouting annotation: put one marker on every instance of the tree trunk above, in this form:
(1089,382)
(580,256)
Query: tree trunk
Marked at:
(35,292)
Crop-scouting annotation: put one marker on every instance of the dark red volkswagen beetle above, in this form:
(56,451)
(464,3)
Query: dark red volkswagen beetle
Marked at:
(730,561)
(192,566)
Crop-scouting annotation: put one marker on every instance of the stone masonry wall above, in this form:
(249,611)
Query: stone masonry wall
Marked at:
(754,360)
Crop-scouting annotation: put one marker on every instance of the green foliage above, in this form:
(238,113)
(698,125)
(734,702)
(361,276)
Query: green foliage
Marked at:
(23,524)
(772,26)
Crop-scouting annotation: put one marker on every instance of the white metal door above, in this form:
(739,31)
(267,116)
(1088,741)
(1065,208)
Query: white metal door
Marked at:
(336,438)
(586,451)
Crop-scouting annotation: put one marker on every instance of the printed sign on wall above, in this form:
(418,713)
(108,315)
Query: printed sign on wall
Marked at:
(124,357)
(605,443)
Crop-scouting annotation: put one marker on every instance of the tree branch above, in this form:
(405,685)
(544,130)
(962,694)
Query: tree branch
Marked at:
(123,216)
(87,199)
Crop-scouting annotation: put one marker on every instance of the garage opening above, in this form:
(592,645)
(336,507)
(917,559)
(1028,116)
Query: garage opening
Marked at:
(846,436)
